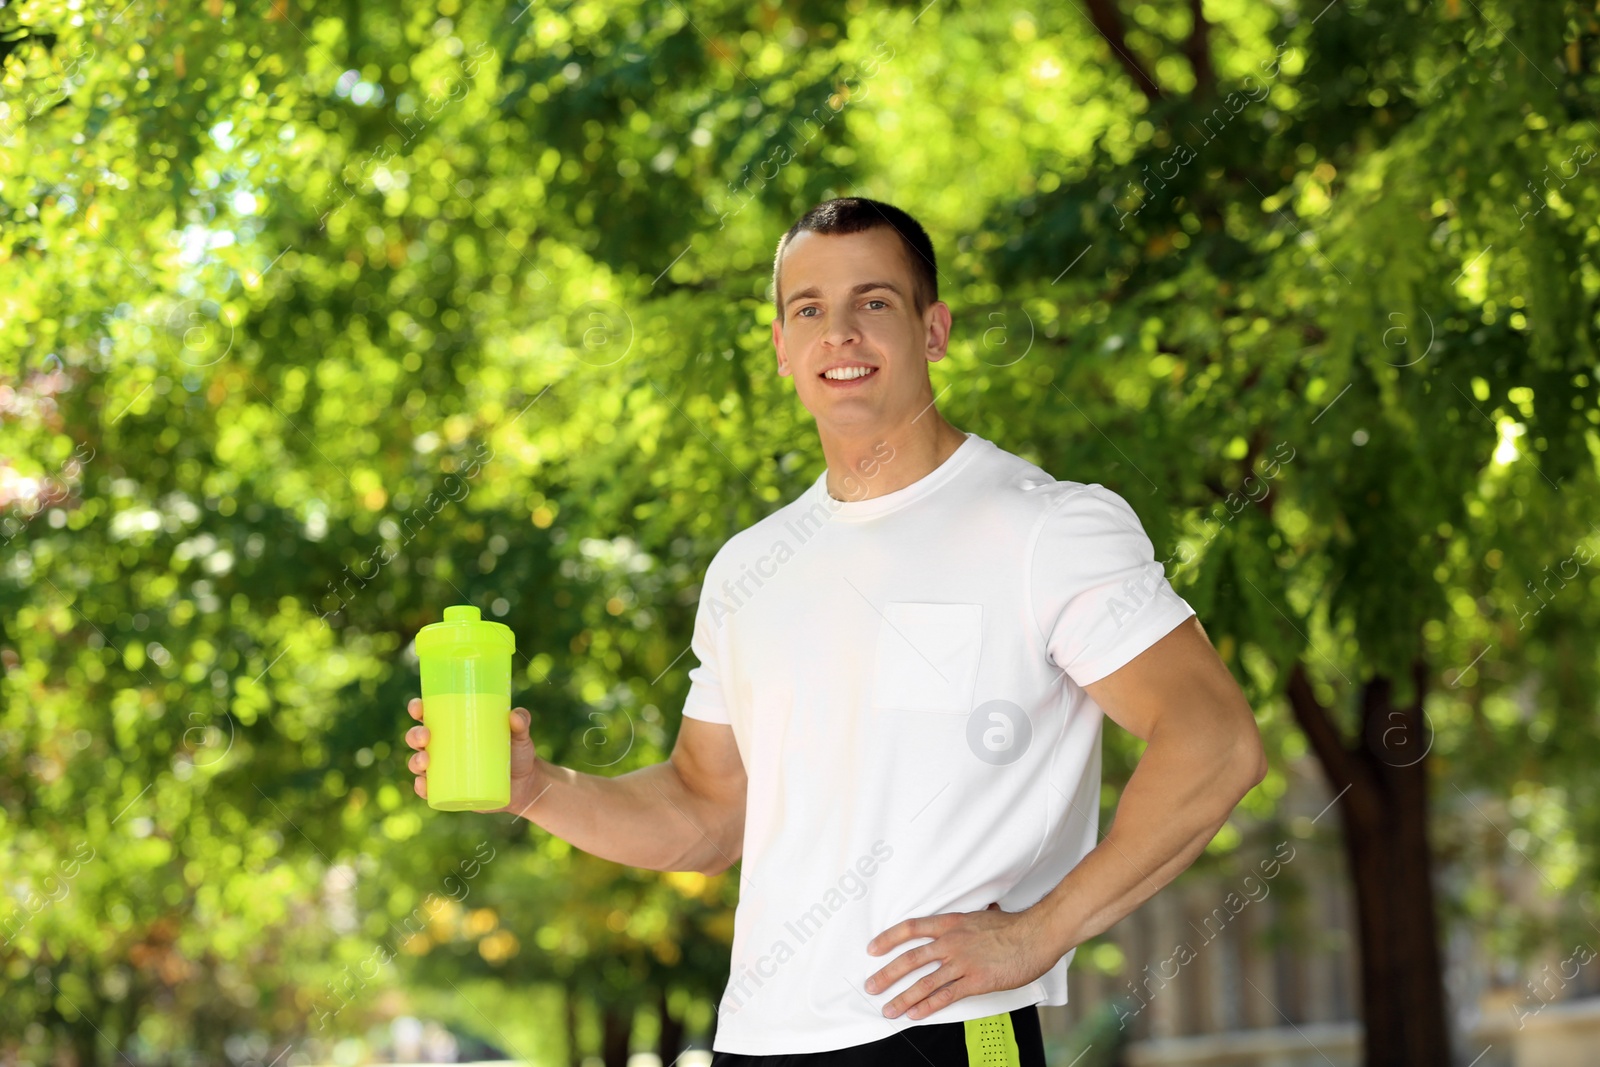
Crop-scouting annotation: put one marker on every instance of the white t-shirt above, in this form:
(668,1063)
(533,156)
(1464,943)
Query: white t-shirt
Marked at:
(903,676)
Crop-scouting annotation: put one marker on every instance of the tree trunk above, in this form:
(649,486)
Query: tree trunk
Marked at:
(1107,22)
(616,1027)
(574,1056)
(1381,784)
(85,1050)
(73,1039)
(670,1043)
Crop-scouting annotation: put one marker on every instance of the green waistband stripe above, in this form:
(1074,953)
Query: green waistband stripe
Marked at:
(991,1042)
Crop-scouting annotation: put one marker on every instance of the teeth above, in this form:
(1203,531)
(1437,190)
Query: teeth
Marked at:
(844,374)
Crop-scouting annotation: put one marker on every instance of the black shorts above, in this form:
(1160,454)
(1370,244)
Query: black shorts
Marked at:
(1010,1038)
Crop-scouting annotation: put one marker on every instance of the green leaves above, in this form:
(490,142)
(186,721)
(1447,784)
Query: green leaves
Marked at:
(319,323)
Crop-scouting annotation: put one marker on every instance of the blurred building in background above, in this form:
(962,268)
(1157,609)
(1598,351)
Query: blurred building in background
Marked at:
(1260,968)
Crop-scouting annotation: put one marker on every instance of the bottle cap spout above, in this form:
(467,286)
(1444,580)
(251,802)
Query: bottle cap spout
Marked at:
(464,631)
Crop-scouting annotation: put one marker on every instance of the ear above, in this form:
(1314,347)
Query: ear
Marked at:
(936,322)
(777,344)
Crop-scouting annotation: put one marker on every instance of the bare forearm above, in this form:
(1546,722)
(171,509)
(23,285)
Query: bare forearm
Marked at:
(645,818)
(1179,796)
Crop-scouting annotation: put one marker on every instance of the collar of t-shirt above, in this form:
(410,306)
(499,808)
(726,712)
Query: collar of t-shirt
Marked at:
(873,507)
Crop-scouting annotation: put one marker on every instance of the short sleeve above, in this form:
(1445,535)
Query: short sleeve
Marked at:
(705,699)
(1097,593)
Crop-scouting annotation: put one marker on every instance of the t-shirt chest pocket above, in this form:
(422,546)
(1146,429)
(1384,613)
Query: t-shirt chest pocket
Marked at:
(927,656)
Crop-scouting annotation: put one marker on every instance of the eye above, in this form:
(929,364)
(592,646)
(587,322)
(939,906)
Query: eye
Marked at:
(802,312)
(877,301)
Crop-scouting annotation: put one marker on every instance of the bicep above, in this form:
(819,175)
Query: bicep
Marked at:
(1179,678)
(706,757)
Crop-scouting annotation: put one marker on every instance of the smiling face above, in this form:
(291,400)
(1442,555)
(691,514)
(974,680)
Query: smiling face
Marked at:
(848,306)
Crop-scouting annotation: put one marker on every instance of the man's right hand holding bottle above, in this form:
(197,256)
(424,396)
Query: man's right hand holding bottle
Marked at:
(526,776)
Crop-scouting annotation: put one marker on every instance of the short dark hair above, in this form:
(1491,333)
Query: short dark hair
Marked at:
(855,214)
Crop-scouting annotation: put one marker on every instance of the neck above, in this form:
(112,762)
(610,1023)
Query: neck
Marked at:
(871,463)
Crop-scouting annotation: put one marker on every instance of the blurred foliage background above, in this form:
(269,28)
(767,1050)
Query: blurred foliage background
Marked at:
(320,315)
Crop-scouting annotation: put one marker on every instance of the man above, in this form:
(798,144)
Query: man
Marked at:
(895,720)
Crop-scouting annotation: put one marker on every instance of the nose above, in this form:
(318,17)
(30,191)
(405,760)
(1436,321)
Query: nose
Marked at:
(841,330)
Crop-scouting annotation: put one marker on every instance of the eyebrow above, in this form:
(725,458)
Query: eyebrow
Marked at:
(813,292)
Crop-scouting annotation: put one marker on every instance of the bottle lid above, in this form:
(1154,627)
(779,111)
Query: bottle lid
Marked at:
(463,630)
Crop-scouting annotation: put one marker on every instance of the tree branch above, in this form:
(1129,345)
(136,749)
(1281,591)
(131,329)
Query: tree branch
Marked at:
(1198,49)
(1419,679)
(1317,725)
(1108,21)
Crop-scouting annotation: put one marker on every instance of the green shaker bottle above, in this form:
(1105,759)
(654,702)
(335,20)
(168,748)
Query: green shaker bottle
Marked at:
(466,706)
